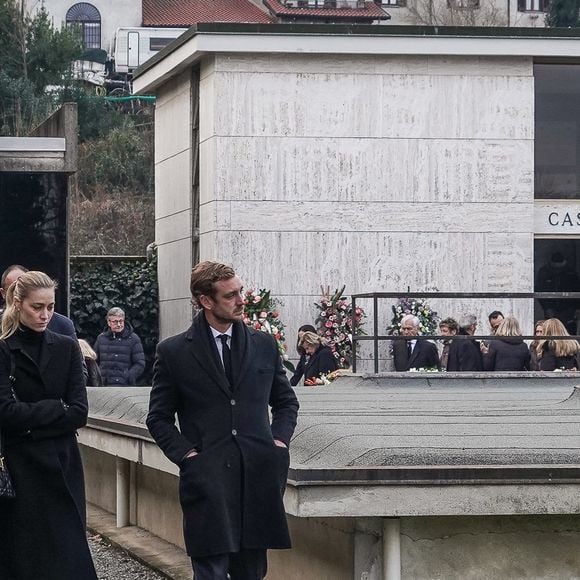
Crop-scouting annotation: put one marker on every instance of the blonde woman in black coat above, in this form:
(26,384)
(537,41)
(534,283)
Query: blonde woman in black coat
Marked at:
(42,530)
(508,352)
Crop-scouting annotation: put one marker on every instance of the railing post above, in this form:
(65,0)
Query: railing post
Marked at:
(353,330)
(376,332)
(123,492)
(391,549)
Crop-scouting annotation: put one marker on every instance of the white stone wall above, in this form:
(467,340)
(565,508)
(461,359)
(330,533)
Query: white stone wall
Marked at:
(380,173)
(173,215)
(114,14)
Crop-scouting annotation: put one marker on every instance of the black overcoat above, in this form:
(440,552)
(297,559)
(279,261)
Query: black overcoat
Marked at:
(231,492)
(42,531)
(424,355)
(464,355)
(507,353)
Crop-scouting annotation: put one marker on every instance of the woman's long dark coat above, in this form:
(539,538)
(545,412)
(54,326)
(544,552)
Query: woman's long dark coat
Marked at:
(42,531)
(231,492)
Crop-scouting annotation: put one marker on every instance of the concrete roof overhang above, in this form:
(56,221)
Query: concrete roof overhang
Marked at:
(394,445)
(34,154)
(232,38)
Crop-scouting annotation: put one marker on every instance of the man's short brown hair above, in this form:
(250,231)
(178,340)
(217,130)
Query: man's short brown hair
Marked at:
(450,323)
(205,275)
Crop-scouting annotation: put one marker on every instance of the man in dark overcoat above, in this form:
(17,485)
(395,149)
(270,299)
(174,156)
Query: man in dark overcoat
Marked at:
(220,378)
(414,353)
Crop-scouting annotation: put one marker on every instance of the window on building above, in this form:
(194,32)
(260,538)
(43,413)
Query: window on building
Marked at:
(87,19)
(156,44)
(391,2)
(557,131)
(533,5)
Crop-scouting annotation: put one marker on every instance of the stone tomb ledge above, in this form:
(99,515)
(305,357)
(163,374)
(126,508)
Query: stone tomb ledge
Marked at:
(397,445)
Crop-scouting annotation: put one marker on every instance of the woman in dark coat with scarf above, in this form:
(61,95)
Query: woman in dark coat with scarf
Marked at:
(321,361)
(508,352)
(42,403)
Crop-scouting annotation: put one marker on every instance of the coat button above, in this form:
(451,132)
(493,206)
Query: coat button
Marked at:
(234,432)
(232,402)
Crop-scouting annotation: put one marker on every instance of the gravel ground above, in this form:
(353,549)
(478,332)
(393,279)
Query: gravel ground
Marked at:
(114,564)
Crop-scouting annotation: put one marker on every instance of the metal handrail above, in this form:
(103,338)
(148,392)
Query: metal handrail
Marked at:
(376,338)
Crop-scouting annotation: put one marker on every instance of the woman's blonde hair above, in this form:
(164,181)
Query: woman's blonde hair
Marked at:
(509,326)
(86,349)
(312,339)
(19,290)
(554,327)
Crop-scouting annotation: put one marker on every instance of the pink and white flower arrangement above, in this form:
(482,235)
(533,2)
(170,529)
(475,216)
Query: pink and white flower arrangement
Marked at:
(260,313)
(335,323)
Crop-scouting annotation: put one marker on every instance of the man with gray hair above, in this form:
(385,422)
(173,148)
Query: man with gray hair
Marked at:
(119,351)
(465,354)
(415,353)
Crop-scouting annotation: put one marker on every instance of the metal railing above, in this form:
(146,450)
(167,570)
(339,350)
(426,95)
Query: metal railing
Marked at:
(376,338)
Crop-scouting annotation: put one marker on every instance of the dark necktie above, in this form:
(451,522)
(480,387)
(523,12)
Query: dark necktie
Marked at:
(409,348)
(227,358)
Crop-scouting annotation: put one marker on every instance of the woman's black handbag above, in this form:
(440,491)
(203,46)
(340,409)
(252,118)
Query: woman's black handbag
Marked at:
(6,487)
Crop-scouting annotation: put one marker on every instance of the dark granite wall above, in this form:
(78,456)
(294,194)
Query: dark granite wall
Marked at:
(33,225)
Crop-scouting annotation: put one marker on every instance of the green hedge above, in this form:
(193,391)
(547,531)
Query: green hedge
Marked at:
(99,284)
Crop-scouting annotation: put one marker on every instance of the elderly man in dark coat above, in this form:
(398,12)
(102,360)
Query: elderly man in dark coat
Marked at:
(414,353)
(220,377)
(119,351)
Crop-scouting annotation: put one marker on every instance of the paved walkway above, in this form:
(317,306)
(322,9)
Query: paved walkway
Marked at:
(167,559)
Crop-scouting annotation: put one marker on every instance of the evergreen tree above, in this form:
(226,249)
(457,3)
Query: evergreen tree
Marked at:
(33,55)
(563,13)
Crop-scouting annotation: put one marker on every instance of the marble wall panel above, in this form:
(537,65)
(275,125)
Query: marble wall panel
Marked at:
(173,227)
(372,64)
(385,217)
(207,104)
(174,269)
(297,104)
(214,216)
(173,184)
(457,107)
(174,316)
(209,170)
(173,115)
(372,261)
(292,169)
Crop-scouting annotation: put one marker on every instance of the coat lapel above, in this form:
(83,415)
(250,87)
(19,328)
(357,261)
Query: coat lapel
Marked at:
(242,349)
(205,354)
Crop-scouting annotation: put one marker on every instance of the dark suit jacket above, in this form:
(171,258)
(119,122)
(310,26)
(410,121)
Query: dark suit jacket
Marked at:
(464,355)
(231,492)
(424,355)
(62,325)
(321,362)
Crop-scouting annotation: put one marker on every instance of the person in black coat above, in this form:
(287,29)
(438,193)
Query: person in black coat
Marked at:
(220,377)
(299,372)
(557,354)
(415,353)
(509,352)
(119,351)
(322,361)
(42,403)
(465,355)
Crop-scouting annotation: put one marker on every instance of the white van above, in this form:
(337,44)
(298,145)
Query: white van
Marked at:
(134,46)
